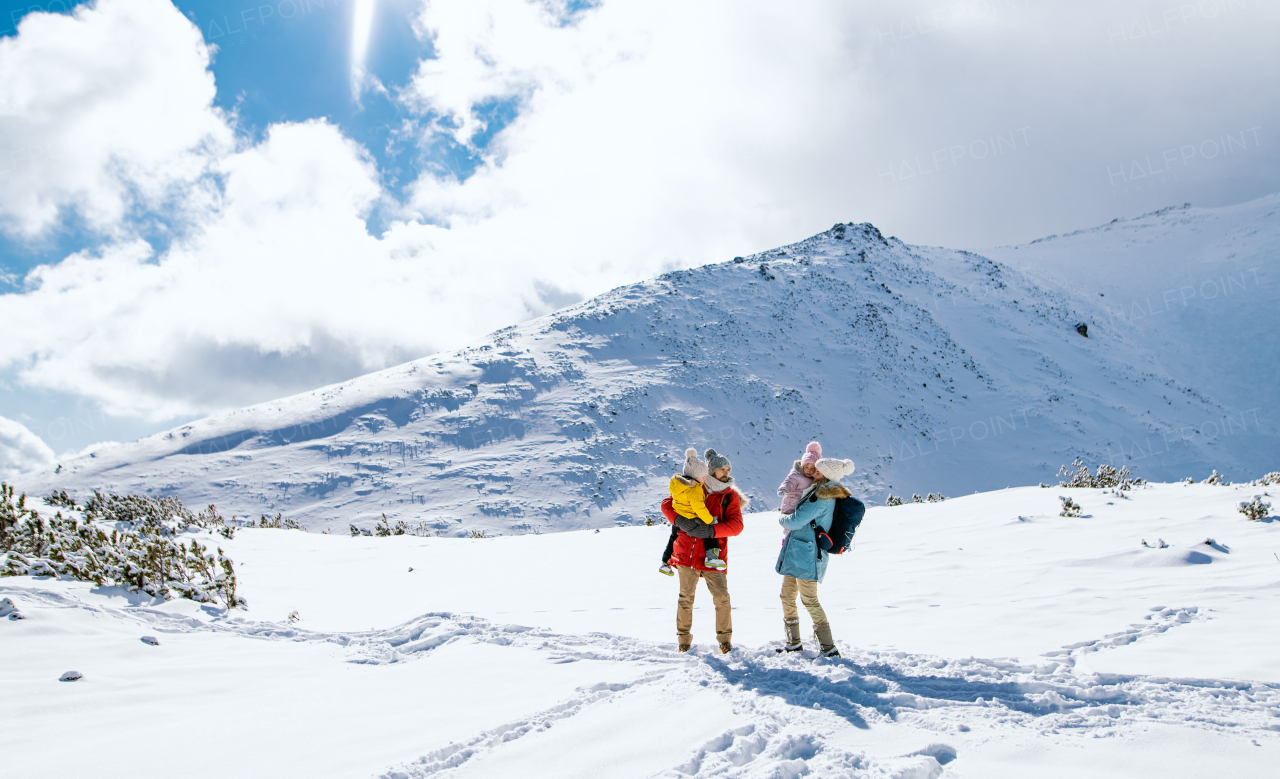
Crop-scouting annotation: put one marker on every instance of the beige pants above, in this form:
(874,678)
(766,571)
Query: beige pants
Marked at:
(808,592)
(718,584)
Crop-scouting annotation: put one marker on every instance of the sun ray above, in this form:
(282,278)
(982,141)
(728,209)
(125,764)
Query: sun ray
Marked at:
(361,29)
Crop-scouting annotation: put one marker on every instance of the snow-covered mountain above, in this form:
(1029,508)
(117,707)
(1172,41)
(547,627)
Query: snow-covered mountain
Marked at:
(934,369)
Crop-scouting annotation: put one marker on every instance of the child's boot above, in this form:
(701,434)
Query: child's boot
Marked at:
(667,570)
(714,562)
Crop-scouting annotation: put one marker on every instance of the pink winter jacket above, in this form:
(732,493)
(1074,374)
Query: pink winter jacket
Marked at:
(792,488)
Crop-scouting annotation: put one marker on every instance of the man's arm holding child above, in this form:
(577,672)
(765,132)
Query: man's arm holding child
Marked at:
(699,502)
(692,527)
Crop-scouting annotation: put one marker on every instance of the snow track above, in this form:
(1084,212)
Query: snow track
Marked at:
(1157,622)
(789,698)
(793,714)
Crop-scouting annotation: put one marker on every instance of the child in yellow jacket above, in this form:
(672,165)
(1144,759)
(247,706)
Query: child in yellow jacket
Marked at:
(689,501)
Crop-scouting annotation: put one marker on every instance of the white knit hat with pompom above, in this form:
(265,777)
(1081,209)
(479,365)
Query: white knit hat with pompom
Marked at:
(834,469)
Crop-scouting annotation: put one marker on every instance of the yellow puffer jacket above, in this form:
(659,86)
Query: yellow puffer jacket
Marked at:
(688,499)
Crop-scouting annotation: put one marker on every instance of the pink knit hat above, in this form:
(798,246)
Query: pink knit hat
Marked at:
(812,453)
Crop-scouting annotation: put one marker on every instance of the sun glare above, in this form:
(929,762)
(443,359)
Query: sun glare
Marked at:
(361,27)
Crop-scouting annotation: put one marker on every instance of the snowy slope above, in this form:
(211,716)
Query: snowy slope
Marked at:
(1200,288)
(982,637)
(934,369)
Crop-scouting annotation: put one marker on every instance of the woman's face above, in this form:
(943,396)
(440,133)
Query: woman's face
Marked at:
(721,473)
(809,470)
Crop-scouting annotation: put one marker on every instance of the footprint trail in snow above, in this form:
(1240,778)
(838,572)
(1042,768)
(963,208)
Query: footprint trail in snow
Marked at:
(791,709)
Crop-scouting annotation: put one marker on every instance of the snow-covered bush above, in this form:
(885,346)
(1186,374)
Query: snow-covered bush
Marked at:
(1107,476)
(61,498)
(279,522)
(1255,509)
(141,557)
(154,516)
(1069,507)
(1269,480)
(10,609)
(1217,478)
(893,500)
(915,498)
(384,529)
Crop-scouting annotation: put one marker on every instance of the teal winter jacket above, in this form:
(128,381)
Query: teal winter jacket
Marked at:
(801,556)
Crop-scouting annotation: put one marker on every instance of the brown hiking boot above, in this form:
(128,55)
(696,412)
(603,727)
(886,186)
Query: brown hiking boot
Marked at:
(725,647)
(683,647)
(793,636)
(826,644)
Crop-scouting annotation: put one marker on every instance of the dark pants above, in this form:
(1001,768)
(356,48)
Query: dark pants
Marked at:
(710,544)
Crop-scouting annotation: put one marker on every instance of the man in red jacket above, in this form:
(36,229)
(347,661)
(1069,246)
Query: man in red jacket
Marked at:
(688,555)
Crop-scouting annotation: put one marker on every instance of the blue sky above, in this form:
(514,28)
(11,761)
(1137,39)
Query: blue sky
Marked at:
(169,250)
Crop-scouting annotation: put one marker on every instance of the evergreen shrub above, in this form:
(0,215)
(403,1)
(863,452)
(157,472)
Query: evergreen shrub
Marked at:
(123,540)
(1107,476)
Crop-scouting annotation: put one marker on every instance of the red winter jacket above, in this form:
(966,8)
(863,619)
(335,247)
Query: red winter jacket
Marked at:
(726,507)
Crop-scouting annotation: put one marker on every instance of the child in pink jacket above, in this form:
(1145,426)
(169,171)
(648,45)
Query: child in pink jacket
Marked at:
(800,479)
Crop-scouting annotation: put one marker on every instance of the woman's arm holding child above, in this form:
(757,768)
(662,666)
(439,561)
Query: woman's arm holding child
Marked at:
(791,489)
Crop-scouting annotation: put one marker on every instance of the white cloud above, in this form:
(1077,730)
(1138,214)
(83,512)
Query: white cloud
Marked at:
(102,109)
(651,135)
(282,289)
(281,283)
(662,131)
(21,450)
(495,50)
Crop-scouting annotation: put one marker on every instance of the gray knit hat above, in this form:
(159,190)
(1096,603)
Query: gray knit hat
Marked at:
(716,461)
(693,467)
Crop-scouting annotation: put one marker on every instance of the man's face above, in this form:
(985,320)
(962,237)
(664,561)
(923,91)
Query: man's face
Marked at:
(809,470)
(721,474)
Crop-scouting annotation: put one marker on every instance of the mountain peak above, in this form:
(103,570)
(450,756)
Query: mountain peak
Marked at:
(935,370)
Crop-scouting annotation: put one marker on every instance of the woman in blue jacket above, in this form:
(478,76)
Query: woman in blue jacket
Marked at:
(802,562)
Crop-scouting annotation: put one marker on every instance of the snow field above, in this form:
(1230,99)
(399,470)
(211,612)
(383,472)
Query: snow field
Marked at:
(982,636)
